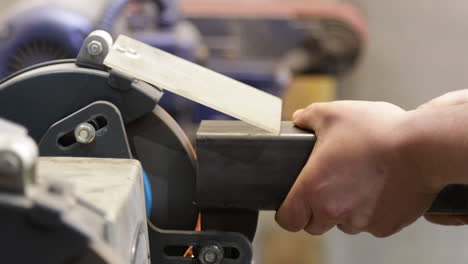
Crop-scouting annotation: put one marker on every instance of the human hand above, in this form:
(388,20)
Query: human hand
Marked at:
(448,99)
(359,176)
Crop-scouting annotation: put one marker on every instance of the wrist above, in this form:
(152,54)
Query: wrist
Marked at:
(416,143)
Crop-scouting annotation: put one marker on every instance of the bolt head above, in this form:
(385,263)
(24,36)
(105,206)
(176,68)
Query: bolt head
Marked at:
(85,133)
(95,48)
(211,255)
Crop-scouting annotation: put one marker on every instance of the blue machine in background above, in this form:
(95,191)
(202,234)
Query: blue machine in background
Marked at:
(50,32)
(41,34)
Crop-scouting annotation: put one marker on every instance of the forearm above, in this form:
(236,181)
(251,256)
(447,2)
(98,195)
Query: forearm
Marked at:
(436,141)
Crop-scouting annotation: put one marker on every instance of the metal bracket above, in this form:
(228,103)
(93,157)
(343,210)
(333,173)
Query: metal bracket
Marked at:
(94,50)
(94,131)
(92,54)
(208,247)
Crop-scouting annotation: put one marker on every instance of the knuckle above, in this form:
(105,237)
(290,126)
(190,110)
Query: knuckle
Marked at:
(361,223)
(383,103)
(348,230)
(294,213)
(314,232)
(323,114)
(314,187)
(315,229)
(291,229)
(329,119)
(315,107)
(333,212)
(453,93)
(310,110)
(319,109)
(383,233)
(286,224)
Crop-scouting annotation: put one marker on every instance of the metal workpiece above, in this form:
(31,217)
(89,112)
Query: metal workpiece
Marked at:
(18,155)
(209,88)
(241,166)
(451,200)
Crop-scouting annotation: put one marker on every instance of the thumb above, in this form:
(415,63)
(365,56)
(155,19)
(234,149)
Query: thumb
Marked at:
(310,117)
(296,114)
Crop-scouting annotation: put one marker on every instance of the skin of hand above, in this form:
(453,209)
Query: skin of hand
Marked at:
(446,100)
(449,99)
(360,177)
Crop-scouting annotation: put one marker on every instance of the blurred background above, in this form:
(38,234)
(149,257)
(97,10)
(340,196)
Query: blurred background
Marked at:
(404,52)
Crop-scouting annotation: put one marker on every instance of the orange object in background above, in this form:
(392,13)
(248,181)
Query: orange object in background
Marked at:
(307,89)
(297,248)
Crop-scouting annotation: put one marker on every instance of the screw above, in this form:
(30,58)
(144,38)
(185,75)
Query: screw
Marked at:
(85,133)
(95,48)
(211,255)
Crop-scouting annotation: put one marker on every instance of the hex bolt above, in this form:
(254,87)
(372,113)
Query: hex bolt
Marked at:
(211,255)
(85,133)
(95,48)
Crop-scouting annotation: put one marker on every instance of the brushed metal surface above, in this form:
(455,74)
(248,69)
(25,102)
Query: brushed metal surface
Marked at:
(196,83)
